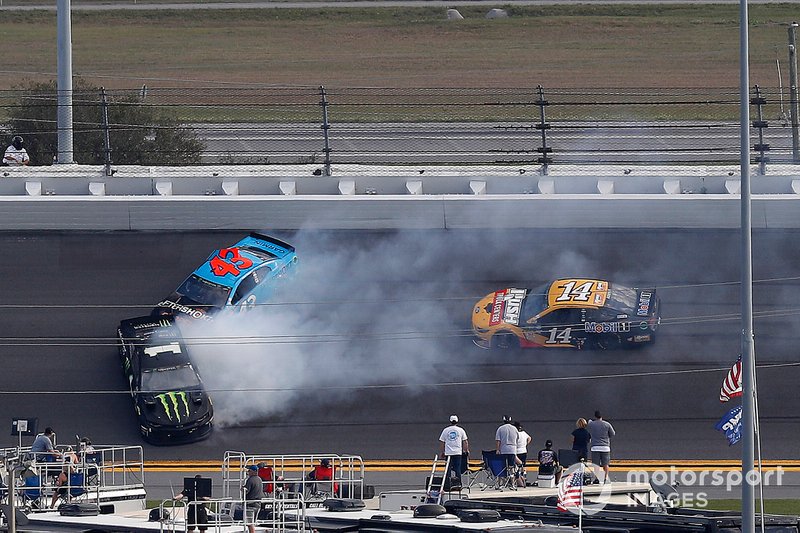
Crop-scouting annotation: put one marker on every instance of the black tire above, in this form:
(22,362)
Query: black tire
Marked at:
(505,340)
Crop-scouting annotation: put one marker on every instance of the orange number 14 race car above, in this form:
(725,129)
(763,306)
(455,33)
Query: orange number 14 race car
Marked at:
(567,313)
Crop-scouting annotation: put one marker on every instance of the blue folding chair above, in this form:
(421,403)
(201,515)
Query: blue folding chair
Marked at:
(32,492)
(76,484)
(499,475)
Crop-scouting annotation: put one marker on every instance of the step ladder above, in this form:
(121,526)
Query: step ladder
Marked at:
(437,480)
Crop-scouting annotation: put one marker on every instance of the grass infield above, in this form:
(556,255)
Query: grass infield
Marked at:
(580,46)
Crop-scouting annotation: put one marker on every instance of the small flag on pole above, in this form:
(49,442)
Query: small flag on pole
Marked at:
(732,386)
(731,425)
(570,491)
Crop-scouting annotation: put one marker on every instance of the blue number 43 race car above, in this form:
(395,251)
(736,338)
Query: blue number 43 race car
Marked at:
(238,277)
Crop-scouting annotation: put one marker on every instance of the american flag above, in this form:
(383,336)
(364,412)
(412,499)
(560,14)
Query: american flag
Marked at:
(570,491)
(732,386)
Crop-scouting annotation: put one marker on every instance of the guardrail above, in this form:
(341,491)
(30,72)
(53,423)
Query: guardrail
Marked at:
(158,199)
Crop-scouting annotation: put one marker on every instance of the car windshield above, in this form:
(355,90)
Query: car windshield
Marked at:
(621,298)
(171,378)
(535,303)
(204,292)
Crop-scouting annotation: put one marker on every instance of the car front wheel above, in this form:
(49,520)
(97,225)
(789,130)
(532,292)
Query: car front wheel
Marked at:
(505,341)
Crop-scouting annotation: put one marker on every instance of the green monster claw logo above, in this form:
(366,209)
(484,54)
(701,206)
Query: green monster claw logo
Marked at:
(172,402)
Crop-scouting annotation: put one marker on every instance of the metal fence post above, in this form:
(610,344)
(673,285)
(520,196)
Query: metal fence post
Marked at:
(106,136)
(543,126)
(793,91)
(759,101)
(325,127)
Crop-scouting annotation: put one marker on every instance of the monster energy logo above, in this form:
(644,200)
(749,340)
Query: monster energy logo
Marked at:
(172,402)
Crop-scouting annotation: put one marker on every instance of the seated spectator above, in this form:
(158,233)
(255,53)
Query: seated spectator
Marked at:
(90,458)
(266,475)
(322,472)
(70,467)
(42,447)
(548,461)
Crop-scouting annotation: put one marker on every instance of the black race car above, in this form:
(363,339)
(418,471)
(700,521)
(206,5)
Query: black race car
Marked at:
(168,395)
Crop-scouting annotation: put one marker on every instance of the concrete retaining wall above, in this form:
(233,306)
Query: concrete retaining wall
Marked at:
(38,200)
(359,212)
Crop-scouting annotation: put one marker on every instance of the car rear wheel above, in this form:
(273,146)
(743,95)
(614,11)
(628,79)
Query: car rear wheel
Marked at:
(505,341)
(607,342)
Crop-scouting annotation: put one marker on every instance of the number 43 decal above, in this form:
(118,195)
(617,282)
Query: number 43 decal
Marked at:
(559,336)
(228,261)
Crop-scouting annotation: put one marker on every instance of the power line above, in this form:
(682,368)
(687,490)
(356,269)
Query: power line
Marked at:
(317,388)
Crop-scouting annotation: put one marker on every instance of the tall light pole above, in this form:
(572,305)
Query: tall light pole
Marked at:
(748,352)
(793,91)
(64,87)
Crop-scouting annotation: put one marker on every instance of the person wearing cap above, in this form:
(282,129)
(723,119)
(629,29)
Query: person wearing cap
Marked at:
(505,440)
(322,472)
(548,461)
(16,155)
(454,446)
(253,494)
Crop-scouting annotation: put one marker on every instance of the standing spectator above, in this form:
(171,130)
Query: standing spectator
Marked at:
(196,515)
(43,448)
(523,439)
(581,439)
(253,494)
(454,446)
(601,432)
(16,155)
(505,440)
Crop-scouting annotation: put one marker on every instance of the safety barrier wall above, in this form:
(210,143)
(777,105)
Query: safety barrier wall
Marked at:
(36,201)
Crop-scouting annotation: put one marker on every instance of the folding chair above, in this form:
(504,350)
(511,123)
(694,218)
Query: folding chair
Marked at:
(93,461)
(32,492)
(499,475)
(76,484)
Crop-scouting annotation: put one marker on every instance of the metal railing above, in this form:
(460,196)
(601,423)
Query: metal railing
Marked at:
(330,127)
(290,473)
(100,474)
(281,512)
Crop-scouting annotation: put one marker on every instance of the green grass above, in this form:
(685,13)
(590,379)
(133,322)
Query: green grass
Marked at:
(785,507)
(555,46)
(568,46)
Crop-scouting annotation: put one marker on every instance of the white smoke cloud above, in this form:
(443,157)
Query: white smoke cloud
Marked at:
(349,318)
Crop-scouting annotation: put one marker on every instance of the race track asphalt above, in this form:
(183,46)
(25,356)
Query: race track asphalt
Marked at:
(367,350)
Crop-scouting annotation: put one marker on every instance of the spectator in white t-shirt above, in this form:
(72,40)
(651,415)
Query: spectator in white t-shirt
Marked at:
(16,155)
(454,445)
(505,439)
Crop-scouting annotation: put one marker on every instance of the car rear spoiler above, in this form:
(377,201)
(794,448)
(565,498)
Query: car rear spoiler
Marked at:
(273,240)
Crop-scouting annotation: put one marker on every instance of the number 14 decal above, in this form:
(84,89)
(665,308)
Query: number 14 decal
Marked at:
(228,261)
(559,337)
(580,293)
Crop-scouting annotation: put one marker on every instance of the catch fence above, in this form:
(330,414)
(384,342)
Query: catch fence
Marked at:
(330,128)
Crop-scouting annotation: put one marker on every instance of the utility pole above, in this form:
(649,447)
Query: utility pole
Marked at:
(64,87)
(748,352)
(793,91)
